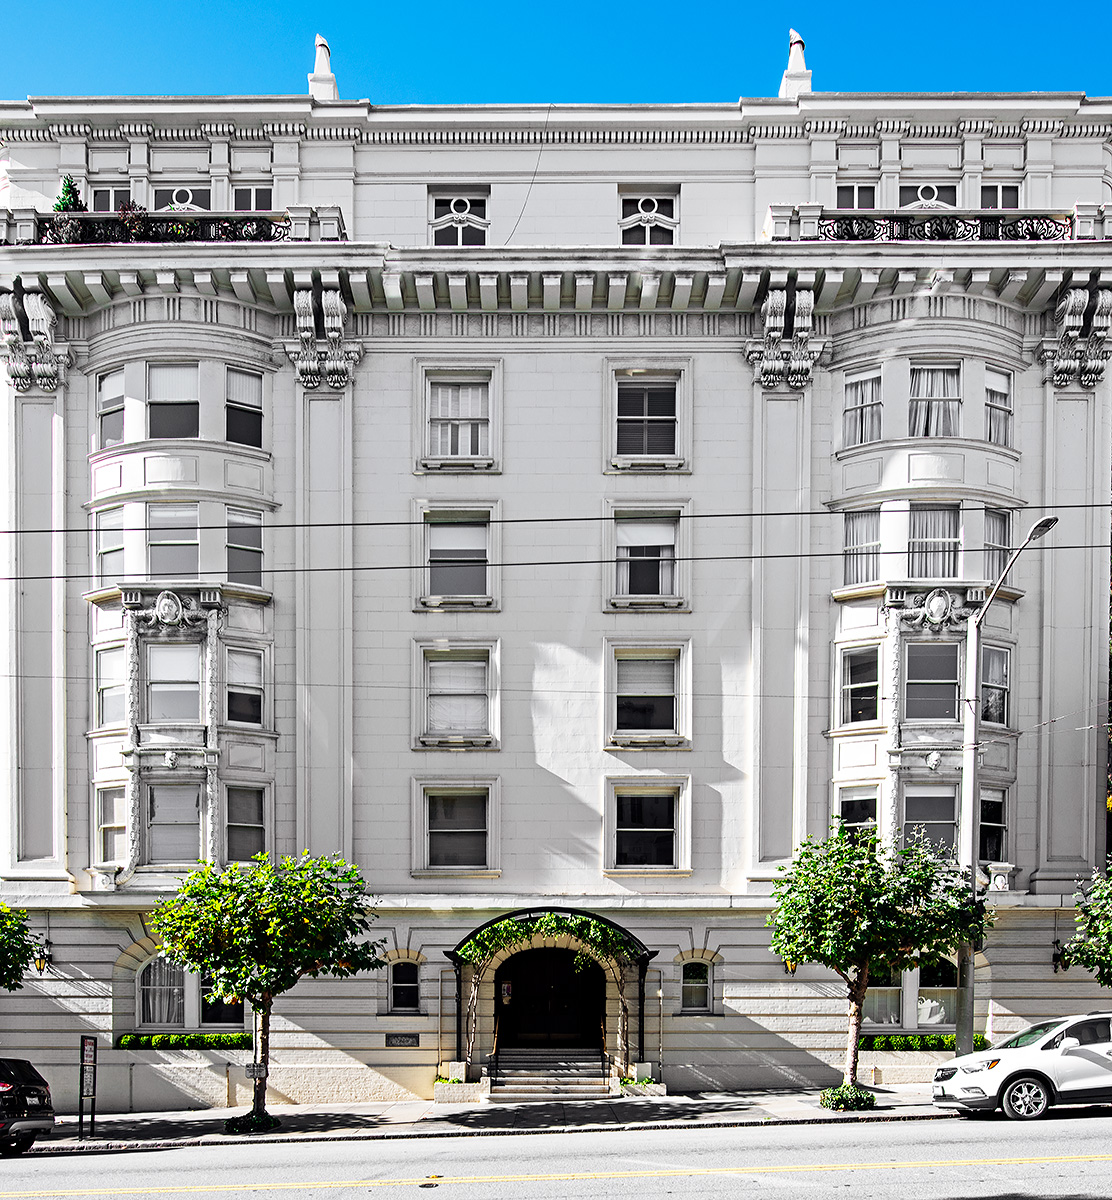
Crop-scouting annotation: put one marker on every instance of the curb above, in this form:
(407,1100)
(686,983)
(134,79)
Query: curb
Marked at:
(118,1147)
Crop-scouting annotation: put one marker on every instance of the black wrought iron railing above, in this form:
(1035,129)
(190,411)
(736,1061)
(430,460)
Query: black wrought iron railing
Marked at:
(986,225)
(107,228)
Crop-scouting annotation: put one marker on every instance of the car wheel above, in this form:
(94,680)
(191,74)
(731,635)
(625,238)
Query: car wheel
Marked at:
(17,1145)
(1026,1098)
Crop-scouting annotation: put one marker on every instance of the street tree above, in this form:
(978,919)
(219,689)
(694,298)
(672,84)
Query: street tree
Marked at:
(1091,946)
(255,929)
(17,948)
(857,905)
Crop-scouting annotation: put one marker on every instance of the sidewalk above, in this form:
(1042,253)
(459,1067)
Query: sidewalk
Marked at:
(424,1118)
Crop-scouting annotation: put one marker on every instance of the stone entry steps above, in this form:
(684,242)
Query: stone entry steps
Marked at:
(564,1074)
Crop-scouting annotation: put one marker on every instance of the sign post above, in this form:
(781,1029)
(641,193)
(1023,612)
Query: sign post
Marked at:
(88,1088)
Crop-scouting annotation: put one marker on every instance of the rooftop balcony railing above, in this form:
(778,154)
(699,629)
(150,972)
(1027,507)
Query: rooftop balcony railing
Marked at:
(813,222)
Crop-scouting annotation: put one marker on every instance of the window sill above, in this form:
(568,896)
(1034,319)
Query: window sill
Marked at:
(455,873)
(647,872)
(697,1012)
(456,742)
(664,741)
(657,603)
(652,465)
(872,728)
(443,602)
(891,443)
(462,465)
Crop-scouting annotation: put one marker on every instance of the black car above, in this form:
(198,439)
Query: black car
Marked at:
(26,1110)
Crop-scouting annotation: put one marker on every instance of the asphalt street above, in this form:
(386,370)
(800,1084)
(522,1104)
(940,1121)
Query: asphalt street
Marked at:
(1067,1155)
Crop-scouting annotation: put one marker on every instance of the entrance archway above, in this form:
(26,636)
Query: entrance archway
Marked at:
(542,999)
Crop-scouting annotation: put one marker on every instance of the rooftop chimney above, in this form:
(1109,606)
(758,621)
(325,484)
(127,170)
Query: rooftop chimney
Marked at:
(322,83)
(797,79)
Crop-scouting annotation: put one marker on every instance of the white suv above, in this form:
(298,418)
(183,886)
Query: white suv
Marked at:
(1064,1061)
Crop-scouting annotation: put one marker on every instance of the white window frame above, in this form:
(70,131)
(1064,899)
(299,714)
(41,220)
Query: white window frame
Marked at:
(464,217)
(391,1006)
(648,370)
(254,189)
(647,215)
(263,690)
(109,404)
(104,547)
(426,650)
(997,553)
(1000,795)
(997,185)
(938,410)
(118,193)
(177,541)
(425,785)
(988,649)
(246,519)
(859,419)
(708,965)
(846,690)
(119,823)
(678,786)
(677,649)
(267,816)
(955,682)
(433,512)
(999,418)
(150,682)
(855,793)
(164,784)
(463,370)
(103,683)
(677,513)
(245,406)
(152,403)
(926,546)
(191,996)
(858,557)
(912,789)
(856,185)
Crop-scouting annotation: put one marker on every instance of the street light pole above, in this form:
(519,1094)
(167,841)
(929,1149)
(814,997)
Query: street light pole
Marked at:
(970,785)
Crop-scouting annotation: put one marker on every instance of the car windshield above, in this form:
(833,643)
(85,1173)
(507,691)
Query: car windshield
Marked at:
(18,1070)
(1031,1034)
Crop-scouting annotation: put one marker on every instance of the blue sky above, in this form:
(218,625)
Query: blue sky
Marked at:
(639,51)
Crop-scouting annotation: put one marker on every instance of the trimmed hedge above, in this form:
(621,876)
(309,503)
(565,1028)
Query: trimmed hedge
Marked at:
(847,1097)
(917,1041)
(184,1041)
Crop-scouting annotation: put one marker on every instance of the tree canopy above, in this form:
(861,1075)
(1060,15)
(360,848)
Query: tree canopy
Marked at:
(17,948)
(1091,945)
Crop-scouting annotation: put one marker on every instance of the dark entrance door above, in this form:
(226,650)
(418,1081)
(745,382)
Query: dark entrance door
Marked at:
(542,1000)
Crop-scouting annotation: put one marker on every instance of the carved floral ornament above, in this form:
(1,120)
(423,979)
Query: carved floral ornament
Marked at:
(778,358)
(169,610)
(1083,317)
(933,611)
(27,323)
(335,362)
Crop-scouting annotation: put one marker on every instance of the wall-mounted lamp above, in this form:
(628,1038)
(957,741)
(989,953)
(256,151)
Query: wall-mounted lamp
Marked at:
(789,967)
(1060,958)
(43,957)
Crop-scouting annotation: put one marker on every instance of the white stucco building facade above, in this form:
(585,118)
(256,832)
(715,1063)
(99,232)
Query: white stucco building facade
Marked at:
(539,509)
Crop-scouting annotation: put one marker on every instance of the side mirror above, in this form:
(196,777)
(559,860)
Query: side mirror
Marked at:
(1068,1043)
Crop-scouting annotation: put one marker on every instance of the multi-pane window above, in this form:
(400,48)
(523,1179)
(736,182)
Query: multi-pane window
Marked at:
(861,418)
(882,999)
(929,812)
(934,541)
(646,699)
(857,806)
(928,194)
(458,562)
(648,220)
(173,823)
(995,667)
(645,829)
(998,407)
(110,409)
(246,822)
(457,828)
(243,410)
(856,195)
(931,683)
(170,996)
(459,220)
(861,553)
(935,402)
(110,545)
(111,676)
(1000,195)
(112,841)
(173,681)
(937,999)
(695,987)
(109,199)
(173,400)
(457,695)
(459,419)
(998,538)
(245,686)
(646,419)
(994,825)
(245,547)
(184,196)
(405,987)
(860,685)
(172,541)
(215,1011)
(253,198)
(646,556)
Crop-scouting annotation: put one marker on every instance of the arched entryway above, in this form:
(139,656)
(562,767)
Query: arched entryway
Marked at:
(543,997)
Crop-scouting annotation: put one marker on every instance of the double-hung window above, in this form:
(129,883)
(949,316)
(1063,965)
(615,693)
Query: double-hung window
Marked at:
(646,420)
(457,696)
(648,220)
(860,685)
(998,538)
(110,545)
(998,407)
(861,417)
(934,541)
(173,400)
(174,823)
(458,422)
(243,409)
(110,409)
(861,554)
(112,839)
(405,986)
(994,825)
(935,402)
(649,694)
(645,560)
(458,560)
(856,195)
(172,541)
(245,547)
(458,218)
(931,681)
(1000,195)
(930,812)
(173,681)
(245,822)
(253,198)
(647,825)
(109,199)
(244,683)
(455,829)
(995,688)
(856,806)
(695,990)
(111,680)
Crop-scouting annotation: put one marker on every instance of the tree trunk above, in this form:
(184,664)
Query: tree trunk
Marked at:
(856,995)
(262,1055)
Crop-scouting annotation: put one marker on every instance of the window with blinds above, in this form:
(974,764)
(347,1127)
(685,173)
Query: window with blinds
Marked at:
(173,400)
(174,824)
(860,685)
(646,694)
(646,557)
(646,420)
(243,409)
(935,402)
(459,420)
(457,697)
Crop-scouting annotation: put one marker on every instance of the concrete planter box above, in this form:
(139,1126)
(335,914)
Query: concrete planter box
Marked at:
(900,1066)
(461,1093)
(644,1089)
